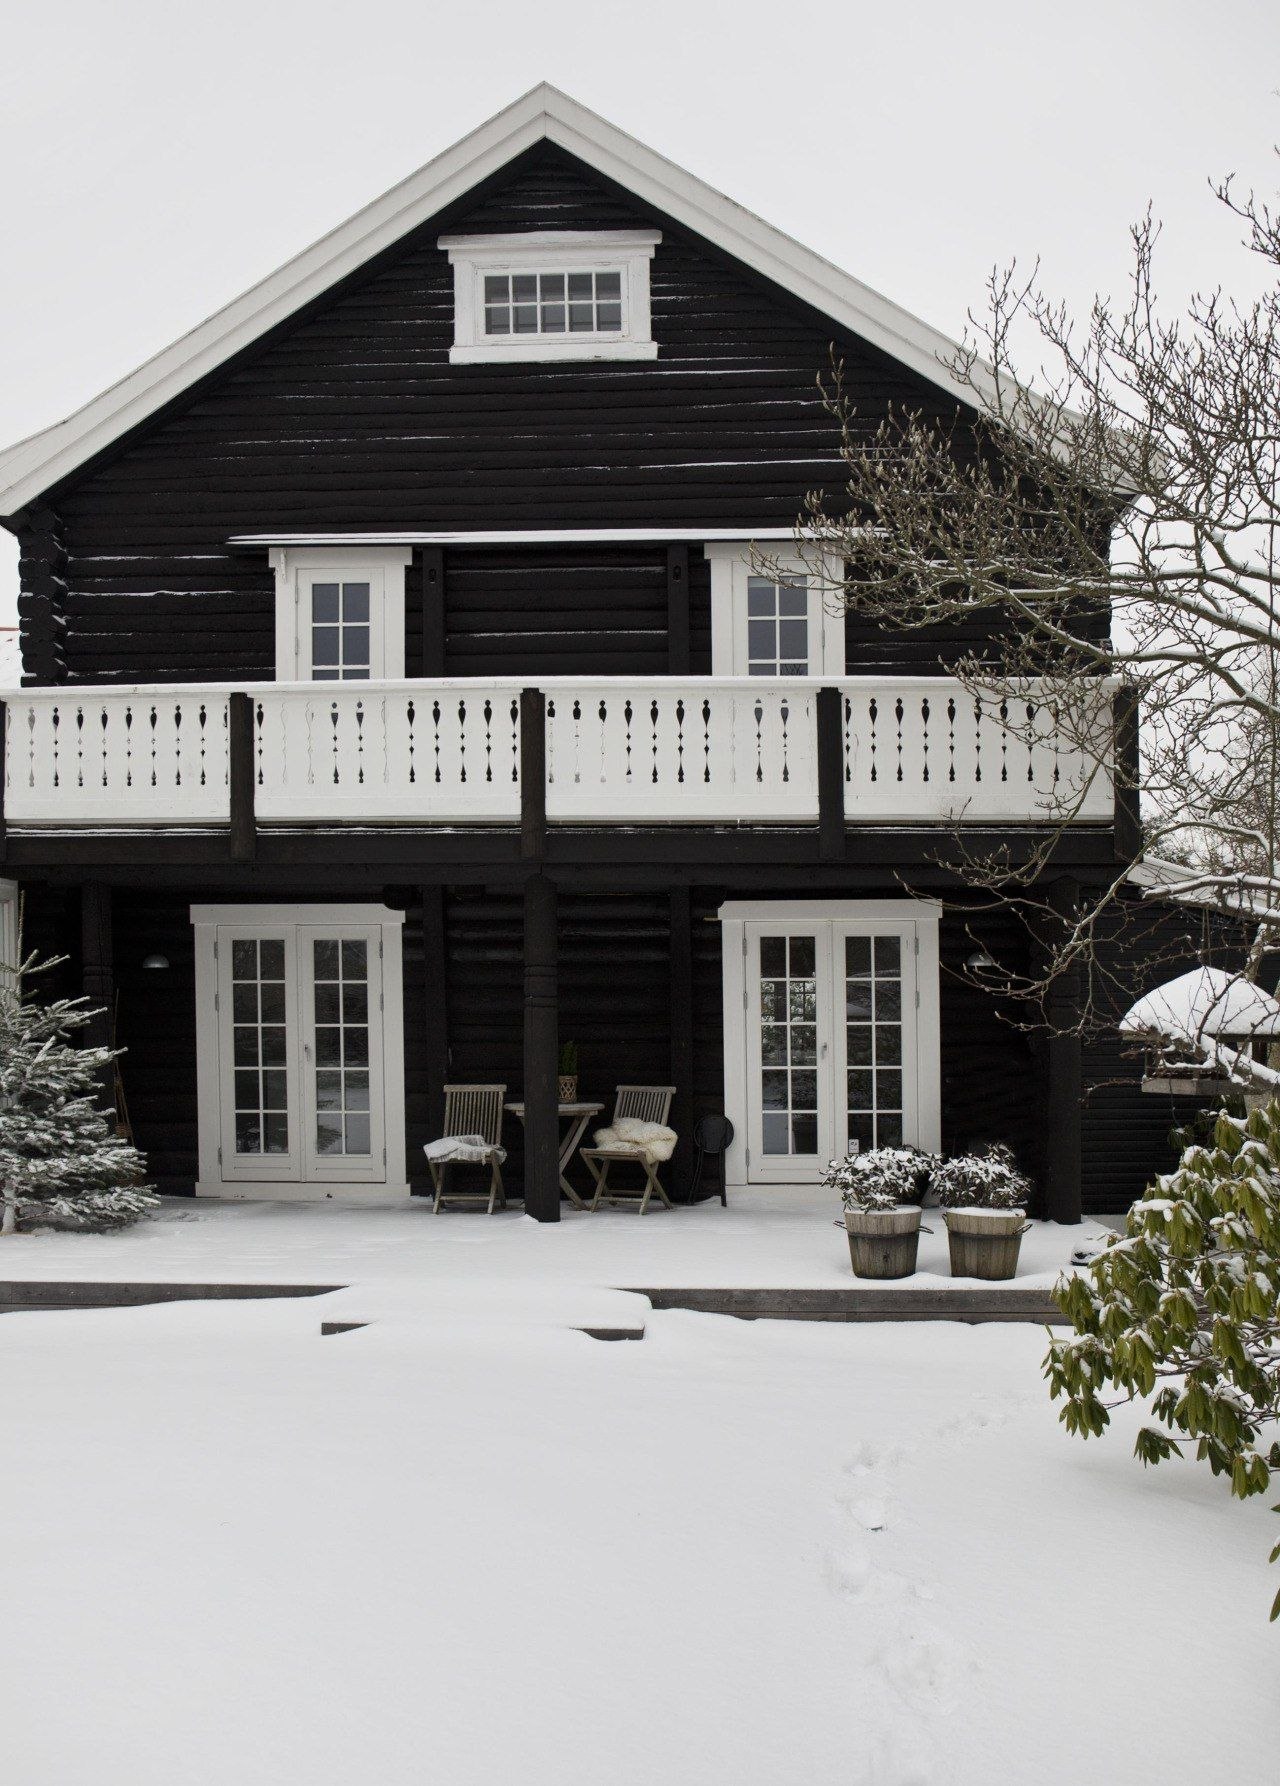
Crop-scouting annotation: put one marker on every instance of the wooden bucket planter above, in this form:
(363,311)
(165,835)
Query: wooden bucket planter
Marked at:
(883,1242)
(985,1242)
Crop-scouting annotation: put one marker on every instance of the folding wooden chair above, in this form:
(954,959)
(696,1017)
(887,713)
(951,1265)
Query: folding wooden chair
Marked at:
(472,1110)
(644,1103)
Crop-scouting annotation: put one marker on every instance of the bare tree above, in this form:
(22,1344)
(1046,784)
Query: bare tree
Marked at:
(1113,525)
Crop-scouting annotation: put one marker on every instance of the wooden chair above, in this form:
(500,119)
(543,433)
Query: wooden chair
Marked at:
(644,1103)
(472,1110)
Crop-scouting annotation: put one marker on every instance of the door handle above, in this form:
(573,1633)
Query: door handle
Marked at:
(822,1052)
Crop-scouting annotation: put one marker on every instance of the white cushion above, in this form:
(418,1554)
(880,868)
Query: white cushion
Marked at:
(651,1141)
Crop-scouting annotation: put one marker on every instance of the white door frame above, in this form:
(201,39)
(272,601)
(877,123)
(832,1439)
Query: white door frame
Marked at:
(740,919)
(213,922)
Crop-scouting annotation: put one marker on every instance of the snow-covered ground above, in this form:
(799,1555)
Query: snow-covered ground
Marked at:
(735,1553)
(403,1259)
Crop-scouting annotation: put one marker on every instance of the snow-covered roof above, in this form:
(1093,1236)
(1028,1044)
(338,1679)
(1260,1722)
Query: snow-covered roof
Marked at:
(1202,1005)
(32,466)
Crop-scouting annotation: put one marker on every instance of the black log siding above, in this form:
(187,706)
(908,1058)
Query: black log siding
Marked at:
(353,418)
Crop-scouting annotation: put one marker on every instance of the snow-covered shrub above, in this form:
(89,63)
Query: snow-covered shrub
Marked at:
(881,1178)
(987,1180)
(62,1164)
(1188,1299)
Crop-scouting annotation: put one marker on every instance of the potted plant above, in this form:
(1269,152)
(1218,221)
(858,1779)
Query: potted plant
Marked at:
(984,1204)
(567,1084)
(882,1192)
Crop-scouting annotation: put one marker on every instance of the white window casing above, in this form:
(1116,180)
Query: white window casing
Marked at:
(298,569)
(732,577)
(298,1173)
(625,253)
(916,922)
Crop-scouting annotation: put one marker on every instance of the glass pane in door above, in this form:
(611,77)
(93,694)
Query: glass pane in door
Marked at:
(341,1054)
(259,1037)
(873,1033)
(789,1044)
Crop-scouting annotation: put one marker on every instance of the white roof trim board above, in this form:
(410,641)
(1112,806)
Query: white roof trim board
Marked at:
(32,466)
(534,536)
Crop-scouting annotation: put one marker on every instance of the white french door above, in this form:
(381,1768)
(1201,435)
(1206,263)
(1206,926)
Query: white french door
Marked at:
(300,1078)
(837,1040)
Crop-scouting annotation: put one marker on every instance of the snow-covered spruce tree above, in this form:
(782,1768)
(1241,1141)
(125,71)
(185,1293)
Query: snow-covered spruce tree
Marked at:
(61,1161)
(1185,1308)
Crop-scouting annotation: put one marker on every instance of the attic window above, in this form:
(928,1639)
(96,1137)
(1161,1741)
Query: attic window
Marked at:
(552,295)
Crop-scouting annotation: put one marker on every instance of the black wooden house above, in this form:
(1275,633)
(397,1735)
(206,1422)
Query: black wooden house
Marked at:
(400,696)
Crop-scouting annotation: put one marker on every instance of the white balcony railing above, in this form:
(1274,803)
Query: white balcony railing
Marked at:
(918,750)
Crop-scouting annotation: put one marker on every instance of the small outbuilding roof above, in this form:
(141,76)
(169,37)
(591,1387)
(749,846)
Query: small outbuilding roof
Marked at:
(1205,1004)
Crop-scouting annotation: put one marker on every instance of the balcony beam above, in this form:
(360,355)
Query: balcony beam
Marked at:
(541,1051)
(242,777)
(829,706)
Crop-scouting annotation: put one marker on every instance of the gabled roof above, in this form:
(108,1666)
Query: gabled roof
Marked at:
(544,114)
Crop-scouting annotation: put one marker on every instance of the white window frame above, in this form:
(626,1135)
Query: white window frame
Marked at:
(924,1126)
(207,921)
(624,251)
(297,568)
(731,567)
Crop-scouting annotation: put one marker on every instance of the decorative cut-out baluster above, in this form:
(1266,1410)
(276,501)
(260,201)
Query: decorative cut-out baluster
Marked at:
(488,741)
(128,744)
(679,743)
(1030,734)
(515,740)
(1004,741)
(759,718)
(410,714)
(435,738)
(784,713)
(204,739)
(79,747)
(31,746)
(706,743)
(846,738)
(873,714)
(335,768)
(104,716)
(259,726)
(153,718)
(360,744)
(627,717)
(951,740)
(977,739)
(177,744)
(602,742)
(899,711)
(462,741)
(924,716)
(653,743)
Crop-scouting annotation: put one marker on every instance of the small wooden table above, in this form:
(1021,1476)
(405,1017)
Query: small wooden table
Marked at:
(577,1116)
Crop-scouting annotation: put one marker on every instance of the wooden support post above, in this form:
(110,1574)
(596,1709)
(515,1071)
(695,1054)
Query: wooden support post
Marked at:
(533,774)
(1064,1091)
(243,777)
(97,978)
(4,738)
(433,614)
(436,1000)
(681,995)
(678,658)
(829,706)
(541,1052)
(1125,772)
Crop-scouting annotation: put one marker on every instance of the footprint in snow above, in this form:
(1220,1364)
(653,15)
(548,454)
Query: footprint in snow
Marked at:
(850,1570)
(860,1500)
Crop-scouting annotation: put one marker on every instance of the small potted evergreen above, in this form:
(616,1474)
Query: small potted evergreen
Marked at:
(882,1192)
(984,1204)
(567,1083)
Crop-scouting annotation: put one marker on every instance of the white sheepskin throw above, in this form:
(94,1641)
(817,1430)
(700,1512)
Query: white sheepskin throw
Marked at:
(650,1141)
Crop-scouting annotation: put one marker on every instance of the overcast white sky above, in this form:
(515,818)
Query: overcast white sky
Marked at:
(160,157)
